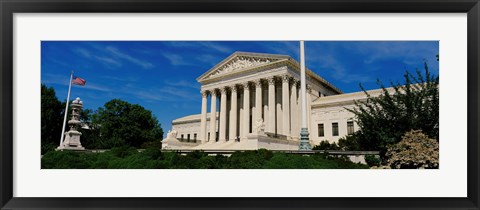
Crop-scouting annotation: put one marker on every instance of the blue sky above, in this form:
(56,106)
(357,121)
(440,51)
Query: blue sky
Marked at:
(161,76)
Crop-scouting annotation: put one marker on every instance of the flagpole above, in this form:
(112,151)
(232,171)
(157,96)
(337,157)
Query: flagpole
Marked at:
(66,111)
(304,140)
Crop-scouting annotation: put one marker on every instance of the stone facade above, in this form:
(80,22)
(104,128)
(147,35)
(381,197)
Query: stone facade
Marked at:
(246,89)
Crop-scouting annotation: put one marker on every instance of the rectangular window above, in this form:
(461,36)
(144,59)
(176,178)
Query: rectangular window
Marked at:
(181,137)
(194,136)
(321,132)
(350,129)
(208,136)
(334,129)
(188,137)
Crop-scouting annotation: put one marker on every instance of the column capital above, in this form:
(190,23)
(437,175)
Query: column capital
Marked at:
(271,80)
(234,88)
(309,88)
(258,83)
(286,78)
(224,89)
(246,85)
(204,93)
(213,92)
(295,81)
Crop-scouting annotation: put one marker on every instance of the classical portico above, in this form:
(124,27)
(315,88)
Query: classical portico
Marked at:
(237,120)
(247,90)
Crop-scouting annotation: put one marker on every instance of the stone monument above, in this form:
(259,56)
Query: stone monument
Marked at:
(72,137)
(171,140)
(260,127)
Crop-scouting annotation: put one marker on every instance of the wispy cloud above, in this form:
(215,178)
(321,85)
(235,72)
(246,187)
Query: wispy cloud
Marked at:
(285,48)
(183,83)
(56,61)
(411,53)
(149,96)
(203,46)
(121,79)
(110,56)
(208,59)
(216,47)
(50,79)
(97,87)
(107,61)
(116,52)
(175,59)
(85,53)
(330,65)
(164,94)
(178,94)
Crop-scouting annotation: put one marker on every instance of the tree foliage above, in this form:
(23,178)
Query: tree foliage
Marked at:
(121,123)
(383,120)
(52,111)
(326,145)
(415,150)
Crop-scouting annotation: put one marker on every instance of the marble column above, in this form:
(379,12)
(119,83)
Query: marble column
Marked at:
(223,115)
(213,118)
(309,108)
(233,115)
(265,104)
(203,118)
(246,110)
(293,110)
(285,105)
(271,105)
(258,101)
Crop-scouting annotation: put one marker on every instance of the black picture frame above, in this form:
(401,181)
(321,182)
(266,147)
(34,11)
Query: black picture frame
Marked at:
(10,7)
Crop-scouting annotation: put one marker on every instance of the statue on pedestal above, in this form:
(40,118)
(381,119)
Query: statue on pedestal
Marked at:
(260,127)
(170,140)
(172,134)
(72,137)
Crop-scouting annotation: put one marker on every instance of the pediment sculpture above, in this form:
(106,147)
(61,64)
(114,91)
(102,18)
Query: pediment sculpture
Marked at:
(239,63)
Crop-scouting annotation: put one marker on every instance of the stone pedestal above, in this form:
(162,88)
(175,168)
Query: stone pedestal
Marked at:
(72,137)
(72,141)
(262,141)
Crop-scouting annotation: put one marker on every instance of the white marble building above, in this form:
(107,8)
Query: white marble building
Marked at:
(256,101)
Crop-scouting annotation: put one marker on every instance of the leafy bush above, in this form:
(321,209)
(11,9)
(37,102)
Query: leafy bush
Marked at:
(130,158)
(67,160)
(415,150)
(351,143)
(325,145)
(152,144)
(47,147)
(248,159)
(372,160)
(123,151)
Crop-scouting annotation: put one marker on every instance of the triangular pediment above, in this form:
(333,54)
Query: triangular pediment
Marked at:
(240,61)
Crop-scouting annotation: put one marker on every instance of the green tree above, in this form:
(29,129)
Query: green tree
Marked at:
(121,123)
(89,131)
(51,118)
(383,120)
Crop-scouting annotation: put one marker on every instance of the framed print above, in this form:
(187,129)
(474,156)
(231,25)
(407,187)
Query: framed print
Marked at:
(281,78)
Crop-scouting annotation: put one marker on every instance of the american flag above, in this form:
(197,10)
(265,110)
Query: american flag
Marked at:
(78,81)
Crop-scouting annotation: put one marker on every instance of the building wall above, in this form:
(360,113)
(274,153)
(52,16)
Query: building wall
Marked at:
(327,116)
(190,127)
